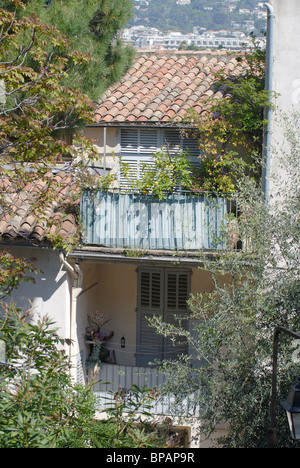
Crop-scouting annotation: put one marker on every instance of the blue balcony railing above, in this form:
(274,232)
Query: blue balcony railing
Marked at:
(181,221)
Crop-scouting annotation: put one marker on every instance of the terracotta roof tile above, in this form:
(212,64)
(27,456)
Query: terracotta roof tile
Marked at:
(163,86)
(19,221)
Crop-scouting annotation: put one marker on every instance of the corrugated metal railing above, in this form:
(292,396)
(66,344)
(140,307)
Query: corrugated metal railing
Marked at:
(181,221)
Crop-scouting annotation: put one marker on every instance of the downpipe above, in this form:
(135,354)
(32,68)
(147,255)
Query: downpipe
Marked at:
(75,290)
(268,113)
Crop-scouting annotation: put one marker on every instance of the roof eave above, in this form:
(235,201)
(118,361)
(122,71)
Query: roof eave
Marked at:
(141,124)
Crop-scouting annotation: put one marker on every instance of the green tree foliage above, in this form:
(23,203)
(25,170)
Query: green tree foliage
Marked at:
(42,407)
(37,108)
(256,290)
(209,14)
(92,27)
(165,174)
(130,423)
(231,131)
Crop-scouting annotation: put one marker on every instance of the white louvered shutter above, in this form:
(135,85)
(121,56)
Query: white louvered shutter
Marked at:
(150,302)
(190,144)
(136,147)
(148,141)
(129,141)
(171,141)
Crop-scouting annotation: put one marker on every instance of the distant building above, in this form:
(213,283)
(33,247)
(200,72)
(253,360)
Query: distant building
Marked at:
(150,38)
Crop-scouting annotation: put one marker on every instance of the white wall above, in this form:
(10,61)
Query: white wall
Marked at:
(107,153)
(50,294)
(286,77)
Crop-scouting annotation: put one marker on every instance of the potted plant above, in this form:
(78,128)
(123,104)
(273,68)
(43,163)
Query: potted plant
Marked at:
(93,332)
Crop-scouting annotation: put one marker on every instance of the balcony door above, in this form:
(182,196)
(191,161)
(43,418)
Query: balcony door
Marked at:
(161,292)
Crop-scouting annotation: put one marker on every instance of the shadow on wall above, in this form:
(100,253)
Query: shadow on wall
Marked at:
(49,293)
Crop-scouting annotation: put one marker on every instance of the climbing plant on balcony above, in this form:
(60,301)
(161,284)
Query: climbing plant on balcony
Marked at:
(229,132)
(231,126)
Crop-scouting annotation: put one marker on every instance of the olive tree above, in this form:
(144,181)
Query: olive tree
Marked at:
(256,290)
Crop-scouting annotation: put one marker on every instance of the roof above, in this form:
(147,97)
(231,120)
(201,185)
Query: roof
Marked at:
(21,222)
(161,88)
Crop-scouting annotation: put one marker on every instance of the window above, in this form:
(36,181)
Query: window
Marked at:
(138,141)
(136,146)
(162,292)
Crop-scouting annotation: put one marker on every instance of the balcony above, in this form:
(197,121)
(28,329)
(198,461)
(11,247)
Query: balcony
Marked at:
(181,221)
(114,377)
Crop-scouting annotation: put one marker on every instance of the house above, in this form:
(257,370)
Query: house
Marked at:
(138,255)
(126,284)
(148,109)
(144,251)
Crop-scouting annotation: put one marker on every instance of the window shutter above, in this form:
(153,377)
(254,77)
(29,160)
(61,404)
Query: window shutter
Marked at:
(135,168)
(150,290)
(171,140)
(177,294)
(127,179)
(150,344)
(136,147)
(180,345)
(138,144)
(138,141)
(161,292)
(150,302)
(177,291)
(129,141)
(148,141)
(190,144)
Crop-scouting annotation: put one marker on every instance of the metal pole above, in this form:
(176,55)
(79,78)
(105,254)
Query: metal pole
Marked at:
(104,149)
(268,110)
(272,437)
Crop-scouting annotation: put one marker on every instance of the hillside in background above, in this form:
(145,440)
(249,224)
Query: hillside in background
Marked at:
(185,15)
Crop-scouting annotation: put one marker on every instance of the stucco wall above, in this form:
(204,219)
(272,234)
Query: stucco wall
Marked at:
(111,147)
(49,295)
(113,292)
(286,76)
(286,51)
